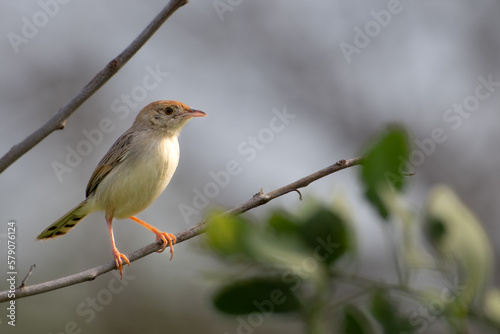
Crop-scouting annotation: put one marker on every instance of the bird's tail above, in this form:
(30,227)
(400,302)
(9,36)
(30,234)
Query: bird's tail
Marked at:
(66,222)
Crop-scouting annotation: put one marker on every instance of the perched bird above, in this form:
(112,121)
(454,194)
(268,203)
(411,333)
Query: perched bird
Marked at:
(133,173)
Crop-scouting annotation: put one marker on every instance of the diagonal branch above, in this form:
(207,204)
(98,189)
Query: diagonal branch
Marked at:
(58,121)
(258,199)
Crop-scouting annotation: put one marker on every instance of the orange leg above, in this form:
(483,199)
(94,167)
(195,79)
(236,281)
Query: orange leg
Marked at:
(167,238)
(118,256)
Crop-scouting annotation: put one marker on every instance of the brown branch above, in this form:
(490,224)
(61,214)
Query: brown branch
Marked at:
(58,121)
(258,199)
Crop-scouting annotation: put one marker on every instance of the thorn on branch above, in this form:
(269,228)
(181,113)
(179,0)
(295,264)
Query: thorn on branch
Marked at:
(27,276)
(300,194)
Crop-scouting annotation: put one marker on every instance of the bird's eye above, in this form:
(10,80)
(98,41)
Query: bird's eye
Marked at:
(169,111)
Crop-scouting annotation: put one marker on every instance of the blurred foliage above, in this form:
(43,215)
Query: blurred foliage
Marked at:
(301,264)
(240,297)
(355,321)
(381,167)
(386,311)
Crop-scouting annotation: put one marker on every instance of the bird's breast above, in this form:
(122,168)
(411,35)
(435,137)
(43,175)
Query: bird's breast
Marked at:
(141,178)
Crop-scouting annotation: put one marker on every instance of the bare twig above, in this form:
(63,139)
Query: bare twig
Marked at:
(23,282)
(258,199)
(58,121)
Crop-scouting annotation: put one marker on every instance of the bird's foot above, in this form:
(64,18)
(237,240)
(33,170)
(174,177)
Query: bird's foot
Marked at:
(168,239)
(118,260)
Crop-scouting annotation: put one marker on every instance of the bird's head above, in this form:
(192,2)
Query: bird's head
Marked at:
(166,116)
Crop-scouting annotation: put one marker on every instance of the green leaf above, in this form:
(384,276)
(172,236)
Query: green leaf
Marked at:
(385,310)
(228,235)
(382,162)
(282,222)
(263,295)
(355,321)
(325,233)
(382,166)
(373,196)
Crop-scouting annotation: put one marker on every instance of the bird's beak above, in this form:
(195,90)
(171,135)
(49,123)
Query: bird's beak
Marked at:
(195,113)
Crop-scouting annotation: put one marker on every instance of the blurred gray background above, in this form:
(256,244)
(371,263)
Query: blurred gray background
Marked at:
(240,63)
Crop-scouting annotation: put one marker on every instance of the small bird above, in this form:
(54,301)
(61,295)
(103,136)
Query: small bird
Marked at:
(134,172)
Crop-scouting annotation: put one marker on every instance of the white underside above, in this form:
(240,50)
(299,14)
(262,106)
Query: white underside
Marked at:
(134,184)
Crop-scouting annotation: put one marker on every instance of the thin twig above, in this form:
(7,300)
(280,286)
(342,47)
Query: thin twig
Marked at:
(258,199)
(58,121)
(23,282)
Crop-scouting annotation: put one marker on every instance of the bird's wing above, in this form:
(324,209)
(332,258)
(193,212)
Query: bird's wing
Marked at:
(116,154)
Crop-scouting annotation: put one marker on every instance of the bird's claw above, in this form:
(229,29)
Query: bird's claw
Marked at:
(118,261)
(167,239)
